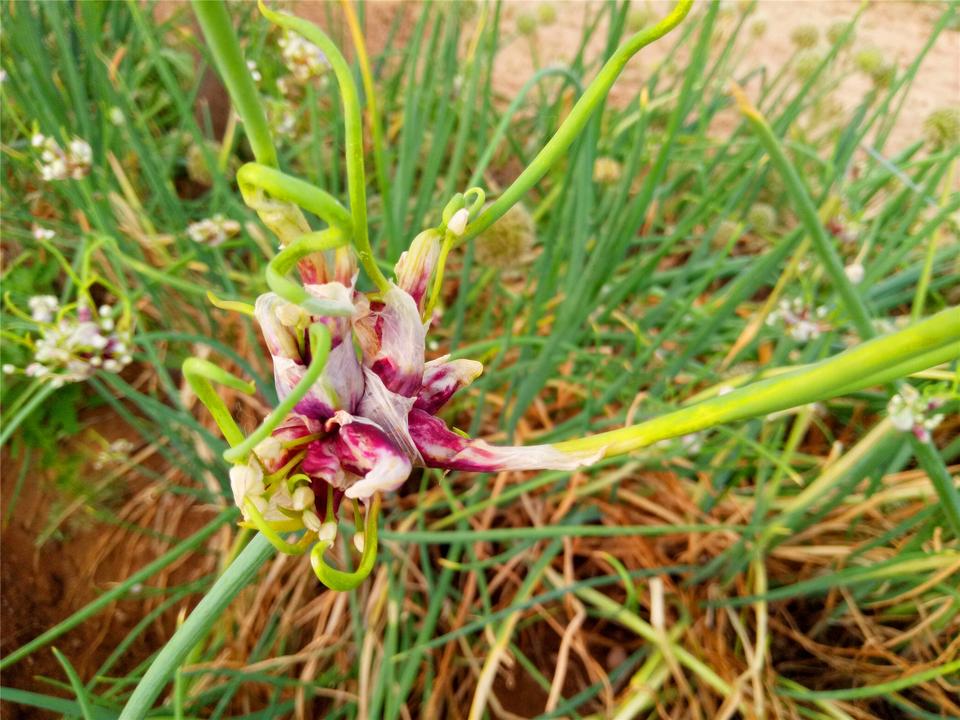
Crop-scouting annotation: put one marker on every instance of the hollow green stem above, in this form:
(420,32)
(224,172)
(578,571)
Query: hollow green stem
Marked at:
(353,127)
(848,371)
(199,373)
(294,292)
(807,211)
(319,349)
(222,41)
(236,577)
(577,119)
(338,579)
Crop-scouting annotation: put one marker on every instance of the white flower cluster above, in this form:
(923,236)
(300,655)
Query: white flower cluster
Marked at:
(71,347)
(213,231)
(254,71)
(246,482)
(58,164)
(911,412)
(304,59)
(803,323)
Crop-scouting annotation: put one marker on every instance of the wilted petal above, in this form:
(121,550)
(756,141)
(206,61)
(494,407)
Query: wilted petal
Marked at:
(416,265)
(401,336)
(440,447)
(315,268)
(365,450)
(442,378)
(334,295)
(281,340)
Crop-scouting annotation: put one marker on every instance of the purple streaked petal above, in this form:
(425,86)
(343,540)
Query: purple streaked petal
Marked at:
(399,356)
(389,411)
(340,387)
(442,448)
(415,266)
(365,450)
(323,463)
(339,265)
(442,378)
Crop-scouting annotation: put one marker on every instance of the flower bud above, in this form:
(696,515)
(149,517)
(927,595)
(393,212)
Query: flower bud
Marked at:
(458,223)
(359,542)
(311,522)
(246,481)
(327,532)
(302,498)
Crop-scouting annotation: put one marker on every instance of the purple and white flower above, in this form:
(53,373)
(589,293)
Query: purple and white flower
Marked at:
(371,417)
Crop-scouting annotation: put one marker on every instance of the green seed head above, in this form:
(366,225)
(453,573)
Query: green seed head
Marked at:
(507,241)
(526,24)
(868,60)
(762,217)
(607,171)
(726,231)
(806,64)
(805,36)
(836,31)
(758,28)
(547,14)
(942,127)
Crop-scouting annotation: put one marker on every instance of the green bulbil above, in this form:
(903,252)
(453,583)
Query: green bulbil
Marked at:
(506,241)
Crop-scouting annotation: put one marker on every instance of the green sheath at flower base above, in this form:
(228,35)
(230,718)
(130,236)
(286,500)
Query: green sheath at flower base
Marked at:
(284,262)
(199,373)
(319,349)
(338,579)
(850,371)
(255,179)
(353,126)
(577,119)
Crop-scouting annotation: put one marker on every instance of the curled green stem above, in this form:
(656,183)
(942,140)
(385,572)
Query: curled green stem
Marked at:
(353,126)
(338,579)
(581,113)
(254,179)
(284,262)
(199,374)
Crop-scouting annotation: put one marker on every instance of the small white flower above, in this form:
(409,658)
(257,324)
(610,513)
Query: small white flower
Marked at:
(359,542)
(312,523)
(116,116)
(43,307)
(327,533)
(854,273)
(246,481)
(40,233)
(302,498)
(304,59)
(910,412)
(37,140)
(254,72)
(458,223)
(9,369)
(269,450)
(213,231)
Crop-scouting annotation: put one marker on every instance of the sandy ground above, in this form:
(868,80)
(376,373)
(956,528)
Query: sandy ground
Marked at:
(900,29)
